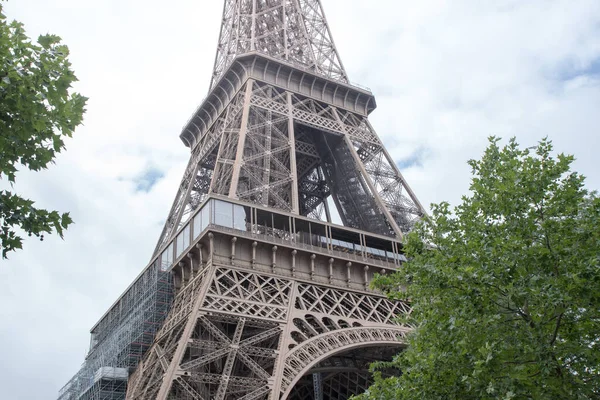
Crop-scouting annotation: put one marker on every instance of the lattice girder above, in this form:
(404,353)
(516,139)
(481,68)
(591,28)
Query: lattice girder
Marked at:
(282,132)
(278,149)
(295,31)
(235,333)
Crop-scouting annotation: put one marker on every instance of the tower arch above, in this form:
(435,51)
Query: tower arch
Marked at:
(307,356)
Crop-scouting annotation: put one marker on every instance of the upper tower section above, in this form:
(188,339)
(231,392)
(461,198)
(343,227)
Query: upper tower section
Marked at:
(294,31)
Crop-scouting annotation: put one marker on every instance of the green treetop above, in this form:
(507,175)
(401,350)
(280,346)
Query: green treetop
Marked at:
(505,287)
(37,112)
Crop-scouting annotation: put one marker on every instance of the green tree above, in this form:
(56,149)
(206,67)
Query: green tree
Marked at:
(505,287)
(37,113)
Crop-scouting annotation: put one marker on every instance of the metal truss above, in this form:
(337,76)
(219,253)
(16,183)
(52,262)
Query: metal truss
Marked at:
(251,294)
(287,141)
(234,333)
(282,131)
(292,30)
(278,149)
(198,174)
(224,357)
(333,302)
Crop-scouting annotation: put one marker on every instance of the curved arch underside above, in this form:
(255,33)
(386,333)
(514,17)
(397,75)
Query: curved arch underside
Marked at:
(349,350)
(340,376)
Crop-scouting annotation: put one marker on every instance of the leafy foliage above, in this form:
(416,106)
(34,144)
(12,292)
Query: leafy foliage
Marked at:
(505,287)
(37,112)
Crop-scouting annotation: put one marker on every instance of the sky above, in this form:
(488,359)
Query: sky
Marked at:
(446,75)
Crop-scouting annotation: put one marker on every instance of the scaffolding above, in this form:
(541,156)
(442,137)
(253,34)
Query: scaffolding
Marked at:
(121,338)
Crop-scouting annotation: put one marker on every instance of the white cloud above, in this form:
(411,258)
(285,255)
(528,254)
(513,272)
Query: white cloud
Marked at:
(449,74)
(446,74)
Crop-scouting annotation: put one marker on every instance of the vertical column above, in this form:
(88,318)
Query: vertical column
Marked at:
(253,29)
(326,206)
(237,166)
(285,29)
(266,158)
(293,168)
(284,343)
(318,386)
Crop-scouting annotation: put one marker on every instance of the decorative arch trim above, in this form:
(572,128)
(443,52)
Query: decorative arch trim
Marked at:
(303,357)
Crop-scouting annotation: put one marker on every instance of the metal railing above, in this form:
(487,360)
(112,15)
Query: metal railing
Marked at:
(350,256)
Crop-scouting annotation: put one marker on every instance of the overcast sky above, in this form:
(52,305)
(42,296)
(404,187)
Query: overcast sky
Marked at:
(446,75)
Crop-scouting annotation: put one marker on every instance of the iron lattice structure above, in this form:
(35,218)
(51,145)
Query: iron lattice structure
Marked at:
(282,127)
(270,298)
(260,315)
(292,30)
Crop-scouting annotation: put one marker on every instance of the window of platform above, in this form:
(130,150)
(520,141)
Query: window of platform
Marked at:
(166,258)
(228,215)
(183,240)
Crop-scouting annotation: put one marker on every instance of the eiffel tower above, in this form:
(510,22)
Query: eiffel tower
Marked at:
(254,291)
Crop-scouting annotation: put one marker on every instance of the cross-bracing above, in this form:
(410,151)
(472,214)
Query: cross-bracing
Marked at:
(271,297)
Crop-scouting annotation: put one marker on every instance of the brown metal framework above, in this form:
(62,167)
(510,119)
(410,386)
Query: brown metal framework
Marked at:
(289,132)
(292,30)
(270,299)
(258,312)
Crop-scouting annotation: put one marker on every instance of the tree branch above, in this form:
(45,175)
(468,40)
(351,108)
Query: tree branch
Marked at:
(555,335)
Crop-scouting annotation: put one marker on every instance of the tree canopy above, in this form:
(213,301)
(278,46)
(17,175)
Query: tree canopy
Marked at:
(505,287)
(37,112)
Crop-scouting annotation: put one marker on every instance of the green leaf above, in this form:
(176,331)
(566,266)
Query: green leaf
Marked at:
(37,111)
(505,287)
